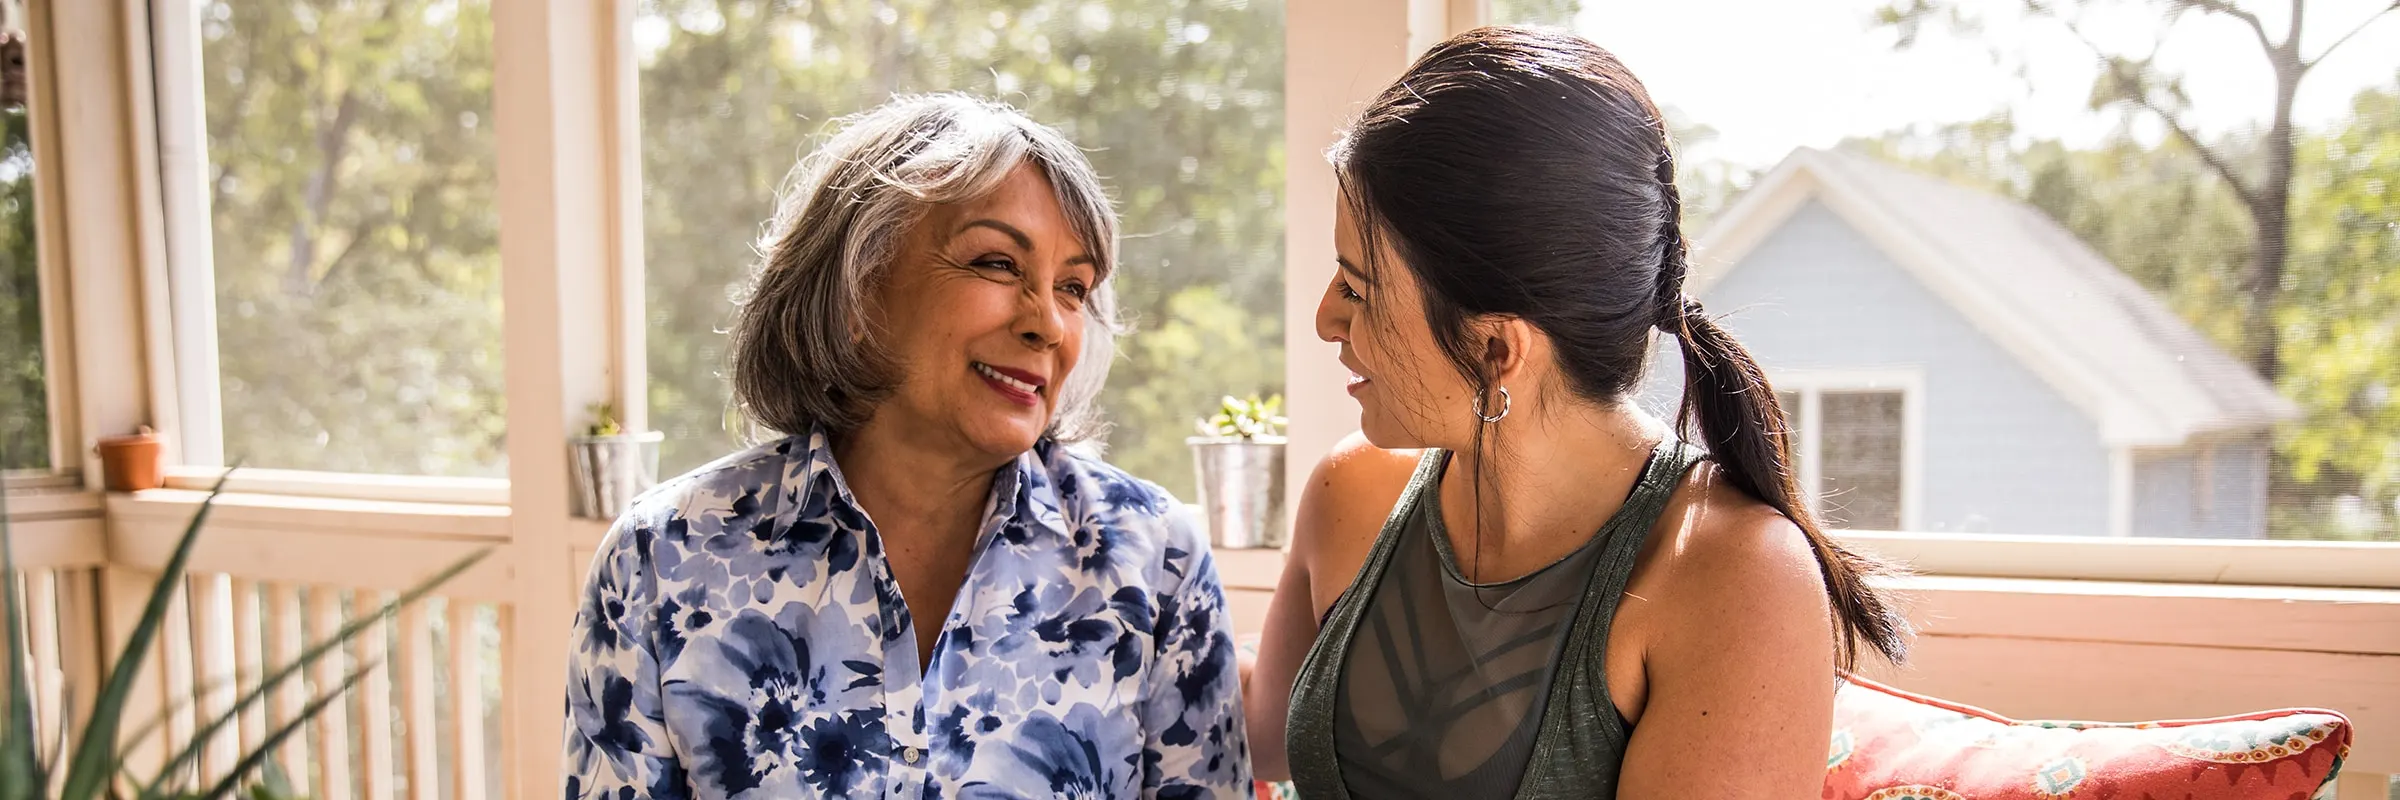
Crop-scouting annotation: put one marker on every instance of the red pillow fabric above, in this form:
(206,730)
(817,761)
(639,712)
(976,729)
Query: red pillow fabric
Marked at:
(1892,745)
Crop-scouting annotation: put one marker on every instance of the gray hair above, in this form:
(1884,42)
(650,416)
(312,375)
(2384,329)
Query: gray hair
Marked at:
(804,353)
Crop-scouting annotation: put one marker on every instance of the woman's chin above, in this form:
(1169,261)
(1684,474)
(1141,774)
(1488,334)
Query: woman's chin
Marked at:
(1005,434)
(1387,433)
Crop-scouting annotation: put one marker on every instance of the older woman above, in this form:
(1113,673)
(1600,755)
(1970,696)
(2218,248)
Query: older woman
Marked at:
(930,324)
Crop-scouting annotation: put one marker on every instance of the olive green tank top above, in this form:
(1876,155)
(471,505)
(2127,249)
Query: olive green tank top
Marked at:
(1472,691)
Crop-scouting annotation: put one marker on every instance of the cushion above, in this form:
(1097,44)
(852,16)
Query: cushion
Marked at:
(1892,745)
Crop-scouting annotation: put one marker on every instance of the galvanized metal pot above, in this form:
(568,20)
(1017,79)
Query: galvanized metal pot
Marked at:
(1241,489)
(609,471)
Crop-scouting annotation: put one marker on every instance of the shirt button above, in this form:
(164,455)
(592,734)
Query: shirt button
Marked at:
(911,755)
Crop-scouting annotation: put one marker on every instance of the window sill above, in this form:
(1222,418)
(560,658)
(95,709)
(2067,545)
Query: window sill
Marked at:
(55,525)
(372,544)
(2370,565)
(355,486)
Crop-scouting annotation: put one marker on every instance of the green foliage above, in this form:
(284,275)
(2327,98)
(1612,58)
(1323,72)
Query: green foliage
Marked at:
(97,760)
(1246,418)
(24,406)
(352,192)
(604,420)
(2162,215)
(2341,327)
(1206,347)
(1552,13)
(1178,102)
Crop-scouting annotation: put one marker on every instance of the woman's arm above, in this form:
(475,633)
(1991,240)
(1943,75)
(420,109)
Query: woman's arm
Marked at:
(1291,628)
(1349,494)
(616,742)
(1192,698)
(1740,672)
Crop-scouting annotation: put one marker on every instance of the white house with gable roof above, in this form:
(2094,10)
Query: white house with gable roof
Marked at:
(1957,361)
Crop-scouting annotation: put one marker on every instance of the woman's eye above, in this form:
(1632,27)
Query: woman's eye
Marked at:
(994,263)
(1078,291)
(1343,287)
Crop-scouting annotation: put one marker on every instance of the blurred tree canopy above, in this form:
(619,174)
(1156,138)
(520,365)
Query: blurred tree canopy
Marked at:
(24,407)
(356,250)
(1179,103)
(1552,13)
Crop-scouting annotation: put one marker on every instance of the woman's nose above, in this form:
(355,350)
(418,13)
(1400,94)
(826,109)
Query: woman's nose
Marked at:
(1041,323)
(1333,317)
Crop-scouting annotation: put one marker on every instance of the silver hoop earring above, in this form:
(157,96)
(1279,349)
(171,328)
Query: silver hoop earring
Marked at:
(1505,404)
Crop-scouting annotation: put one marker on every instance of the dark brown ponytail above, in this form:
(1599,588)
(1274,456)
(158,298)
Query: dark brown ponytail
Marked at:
(1730,408)
(1525,172)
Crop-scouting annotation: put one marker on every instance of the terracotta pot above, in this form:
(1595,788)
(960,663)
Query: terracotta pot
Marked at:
(130,463)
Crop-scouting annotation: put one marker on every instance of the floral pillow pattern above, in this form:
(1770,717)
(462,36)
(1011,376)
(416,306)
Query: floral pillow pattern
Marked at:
(1893,745)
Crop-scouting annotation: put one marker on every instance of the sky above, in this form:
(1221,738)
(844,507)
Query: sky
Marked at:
(1772,75)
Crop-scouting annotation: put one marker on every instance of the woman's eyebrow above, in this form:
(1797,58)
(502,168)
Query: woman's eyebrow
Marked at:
(1353,271)
(1023,241)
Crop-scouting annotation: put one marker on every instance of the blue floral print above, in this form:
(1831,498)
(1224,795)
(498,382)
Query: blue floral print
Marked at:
(741,636)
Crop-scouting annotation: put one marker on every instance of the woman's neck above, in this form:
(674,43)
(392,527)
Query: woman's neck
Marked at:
(1549,481)
(912,488)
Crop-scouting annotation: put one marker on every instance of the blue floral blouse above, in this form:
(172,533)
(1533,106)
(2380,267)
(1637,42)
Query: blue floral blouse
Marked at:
(741,636)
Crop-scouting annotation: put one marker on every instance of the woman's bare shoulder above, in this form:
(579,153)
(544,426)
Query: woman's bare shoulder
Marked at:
(1348,496)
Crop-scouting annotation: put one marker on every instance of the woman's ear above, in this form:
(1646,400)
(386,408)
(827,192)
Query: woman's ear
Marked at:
(1508,348)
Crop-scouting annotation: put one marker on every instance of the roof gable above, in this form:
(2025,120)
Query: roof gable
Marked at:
(2094,334)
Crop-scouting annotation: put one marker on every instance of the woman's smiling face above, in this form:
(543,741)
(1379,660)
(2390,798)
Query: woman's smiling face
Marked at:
(1409,393)
(983,312)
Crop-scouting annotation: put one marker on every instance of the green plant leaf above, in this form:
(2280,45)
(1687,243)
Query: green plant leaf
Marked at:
(88,772)
(348,631)
(21,772)
(227,786)
(273,782)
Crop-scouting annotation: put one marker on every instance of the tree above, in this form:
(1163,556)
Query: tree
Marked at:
(2260,178)
(24,407)
(1179,103)
(352,193)
(1552,13)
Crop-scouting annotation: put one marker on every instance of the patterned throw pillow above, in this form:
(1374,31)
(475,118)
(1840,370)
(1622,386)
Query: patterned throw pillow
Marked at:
(1893,745)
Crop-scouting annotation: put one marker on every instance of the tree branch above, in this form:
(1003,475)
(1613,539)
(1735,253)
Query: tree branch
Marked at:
(2140,95)
(2227,8)
(2241,190)
(2345,38)
(358,234)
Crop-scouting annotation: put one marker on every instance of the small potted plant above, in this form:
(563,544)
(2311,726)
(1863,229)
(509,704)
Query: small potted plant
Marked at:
(130,463)
(611,466)
(1238,459)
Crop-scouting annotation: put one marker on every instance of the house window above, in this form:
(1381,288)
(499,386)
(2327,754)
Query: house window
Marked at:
(348,271)
(1851,450)
(1859,458)
(1179,106)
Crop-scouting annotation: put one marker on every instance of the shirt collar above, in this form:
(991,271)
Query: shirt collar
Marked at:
(1024,492)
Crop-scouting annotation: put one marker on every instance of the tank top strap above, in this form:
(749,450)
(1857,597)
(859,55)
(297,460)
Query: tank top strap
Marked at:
(1629,529)
(1583,737)
(1308,736)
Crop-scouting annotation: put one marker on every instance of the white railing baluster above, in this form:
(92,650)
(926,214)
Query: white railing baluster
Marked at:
(287,638)
(333,722)
(414,667)
(374,699)
(466,703)
(78,651)
(41,604)
(249,658)
(175,637)
(213,653)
